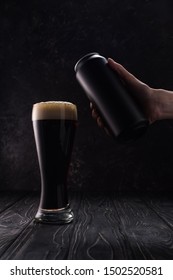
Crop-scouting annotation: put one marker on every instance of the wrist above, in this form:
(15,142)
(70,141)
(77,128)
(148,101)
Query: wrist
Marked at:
(163,104)
(156,104)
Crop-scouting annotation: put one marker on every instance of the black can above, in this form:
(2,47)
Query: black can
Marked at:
(119,111)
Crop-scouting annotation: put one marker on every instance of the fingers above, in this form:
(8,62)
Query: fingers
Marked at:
(93,112)
(98,119)
(95,115)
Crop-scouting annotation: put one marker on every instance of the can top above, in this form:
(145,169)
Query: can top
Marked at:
(86,58)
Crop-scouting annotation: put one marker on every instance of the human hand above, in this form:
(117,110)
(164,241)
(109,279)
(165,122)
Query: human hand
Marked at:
(98,119)
(141,92)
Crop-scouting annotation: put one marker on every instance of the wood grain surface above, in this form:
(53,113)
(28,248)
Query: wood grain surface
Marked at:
(106,226)
(15,218)
(148,234)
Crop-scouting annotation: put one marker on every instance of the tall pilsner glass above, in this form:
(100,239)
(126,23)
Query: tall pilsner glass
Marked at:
(54,125)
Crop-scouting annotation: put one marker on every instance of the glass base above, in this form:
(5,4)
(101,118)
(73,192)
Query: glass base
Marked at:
(57,216)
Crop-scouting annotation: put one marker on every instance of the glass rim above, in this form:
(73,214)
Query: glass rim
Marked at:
(54,110)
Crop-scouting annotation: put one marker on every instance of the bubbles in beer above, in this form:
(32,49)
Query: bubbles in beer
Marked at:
(54,110)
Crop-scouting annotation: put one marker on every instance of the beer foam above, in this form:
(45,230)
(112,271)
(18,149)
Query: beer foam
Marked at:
(60,110)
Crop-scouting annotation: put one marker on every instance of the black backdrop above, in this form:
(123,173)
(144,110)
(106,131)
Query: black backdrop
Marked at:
(39,44)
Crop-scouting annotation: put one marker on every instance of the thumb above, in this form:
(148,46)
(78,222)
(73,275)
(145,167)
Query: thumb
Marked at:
(126,76)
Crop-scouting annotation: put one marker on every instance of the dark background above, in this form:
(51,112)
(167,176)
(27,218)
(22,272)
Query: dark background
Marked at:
(40,42)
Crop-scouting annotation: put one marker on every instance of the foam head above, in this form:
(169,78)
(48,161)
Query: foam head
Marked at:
(59,110)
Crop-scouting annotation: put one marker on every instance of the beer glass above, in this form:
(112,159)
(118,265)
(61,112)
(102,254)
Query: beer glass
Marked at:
(54,124)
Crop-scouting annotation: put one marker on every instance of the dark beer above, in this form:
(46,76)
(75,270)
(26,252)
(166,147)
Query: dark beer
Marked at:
(54,128)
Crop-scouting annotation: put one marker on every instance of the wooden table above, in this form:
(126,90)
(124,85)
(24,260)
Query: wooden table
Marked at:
(106,226)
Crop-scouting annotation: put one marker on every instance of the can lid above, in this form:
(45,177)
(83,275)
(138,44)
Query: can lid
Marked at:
(85,58)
